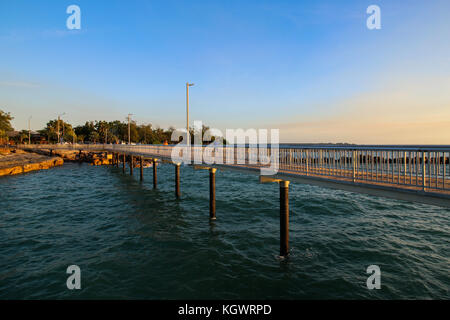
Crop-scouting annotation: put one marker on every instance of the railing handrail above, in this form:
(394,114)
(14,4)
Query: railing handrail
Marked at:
(417,148)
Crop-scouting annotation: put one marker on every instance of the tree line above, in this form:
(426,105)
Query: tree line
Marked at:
(93,132)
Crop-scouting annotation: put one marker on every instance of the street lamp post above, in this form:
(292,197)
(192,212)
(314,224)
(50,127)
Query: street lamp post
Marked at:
(187,112)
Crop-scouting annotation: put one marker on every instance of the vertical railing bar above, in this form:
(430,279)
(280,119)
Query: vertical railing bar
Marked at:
(346,163)
(371,165)
(429,169)
(338,162)
(366,165)
(417,160)
(424,167)
(335,163)
(307,161)
(437,163)
(379,157)
(328,161)
(393,167)
(358,164)
(443,170)
(315,161)
(322,163)
(404,167)
(410,168)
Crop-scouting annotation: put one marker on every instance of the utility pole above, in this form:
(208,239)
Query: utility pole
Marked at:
(57,130)
(187,112)
(29,131)
(59,116)
(129,138)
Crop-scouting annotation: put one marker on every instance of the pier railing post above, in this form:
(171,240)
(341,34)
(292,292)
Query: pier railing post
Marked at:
(155,177)
(212,193)
(354,165)
(177,180)
(141,163)
(307,161)
(424,169)
(284,218)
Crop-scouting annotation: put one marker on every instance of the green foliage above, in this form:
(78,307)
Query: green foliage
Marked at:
(117,132)
(66,132)
(5,125)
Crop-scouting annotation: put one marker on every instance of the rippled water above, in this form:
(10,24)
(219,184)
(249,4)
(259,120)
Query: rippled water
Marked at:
(131,241)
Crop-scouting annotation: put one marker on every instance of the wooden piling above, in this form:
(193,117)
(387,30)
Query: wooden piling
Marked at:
(212,193)
(141,162)
(131,165)
(284,218)
(155,178)
(177,180)
(123,162)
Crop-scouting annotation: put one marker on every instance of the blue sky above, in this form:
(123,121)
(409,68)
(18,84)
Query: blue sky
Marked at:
(310,68)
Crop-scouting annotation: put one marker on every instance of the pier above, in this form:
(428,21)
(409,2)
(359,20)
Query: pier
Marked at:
(410,173)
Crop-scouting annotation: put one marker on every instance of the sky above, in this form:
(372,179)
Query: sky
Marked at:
(311,69)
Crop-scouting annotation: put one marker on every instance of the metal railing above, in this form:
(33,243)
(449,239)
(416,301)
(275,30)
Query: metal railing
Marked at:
(419,167)
(425,168)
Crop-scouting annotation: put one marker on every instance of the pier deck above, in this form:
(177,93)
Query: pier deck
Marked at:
(412,173)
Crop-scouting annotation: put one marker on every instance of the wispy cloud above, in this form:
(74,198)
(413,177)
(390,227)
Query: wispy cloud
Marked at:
(21,84)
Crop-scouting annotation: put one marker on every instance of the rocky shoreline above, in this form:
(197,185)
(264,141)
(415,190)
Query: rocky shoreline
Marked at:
(17,161)
(14,162)
(94,158)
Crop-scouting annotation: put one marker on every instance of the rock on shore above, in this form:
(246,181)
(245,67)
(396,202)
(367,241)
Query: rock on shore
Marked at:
(95,158)
(18,161)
